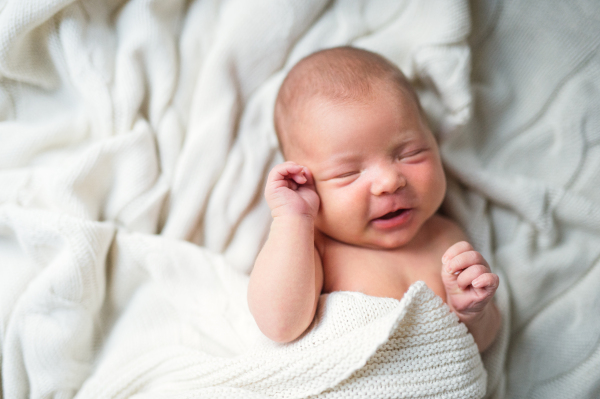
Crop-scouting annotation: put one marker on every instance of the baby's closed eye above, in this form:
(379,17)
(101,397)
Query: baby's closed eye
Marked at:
(346,178)
(342,176)
(413,155)
(347,174)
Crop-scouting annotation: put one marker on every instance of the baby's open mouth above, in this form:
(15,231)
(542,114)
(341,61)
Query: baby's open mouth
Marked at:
(391,215)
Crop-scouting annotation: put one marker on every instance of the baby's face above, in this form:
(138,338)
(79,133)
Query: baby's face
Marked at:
(376,167)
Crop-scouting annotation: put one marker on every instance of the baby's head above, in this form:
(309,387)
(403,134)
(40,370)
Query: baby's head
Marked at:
(352,118)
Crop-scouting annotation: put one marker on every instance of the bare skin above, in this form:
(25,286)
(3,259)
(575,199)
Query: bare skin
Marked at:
(355,210)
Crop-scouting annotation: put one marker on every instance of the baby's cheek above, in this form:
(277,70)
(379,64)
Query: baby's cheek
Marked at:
(339,208)
(430,180)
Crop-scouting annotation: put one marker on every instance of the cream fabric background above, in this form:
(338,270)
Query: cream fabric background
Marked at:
(132,130)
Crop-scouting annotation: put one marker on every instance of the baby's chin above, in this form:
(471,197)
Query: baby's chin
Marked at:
(387,242)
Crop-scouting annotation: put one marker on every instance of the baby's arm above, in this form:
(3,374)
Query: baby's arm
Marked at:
(287,278)
(470,286)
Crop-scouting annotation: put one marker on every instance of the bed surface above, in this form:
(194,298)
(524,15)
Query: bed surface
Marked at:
(135,138)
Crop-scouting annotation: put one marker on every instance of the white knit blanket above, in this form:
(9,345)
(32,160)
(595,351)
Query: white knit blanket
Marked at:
(136,135)
(357,347)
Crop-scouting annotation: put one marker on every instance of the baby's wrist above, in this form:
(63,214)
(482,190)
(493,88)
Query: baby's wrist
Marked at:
(485,326)
(299,220)
(296,227)
(291,213)
(470,318)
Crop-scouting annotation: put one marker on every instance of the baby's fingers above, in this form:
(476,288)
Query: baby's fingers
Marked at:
(309,177)
(456,249)
(487,281)
(470,275)
(464,260)
(289,171)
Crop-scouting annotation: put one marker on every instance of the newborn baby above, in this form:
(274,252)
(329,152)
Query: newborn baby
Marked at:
(354,207)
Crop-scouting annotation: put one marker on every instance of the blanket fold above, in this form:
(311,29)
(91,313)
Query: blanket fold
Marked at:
(357,347)
(130,127)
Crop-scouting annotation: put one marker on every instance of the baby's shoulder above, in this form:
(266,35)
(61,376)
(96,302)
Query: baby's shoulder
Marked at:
(444,231)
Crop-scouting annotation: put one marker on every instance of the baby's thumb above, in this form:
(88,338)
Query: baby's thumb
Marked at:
(449,279)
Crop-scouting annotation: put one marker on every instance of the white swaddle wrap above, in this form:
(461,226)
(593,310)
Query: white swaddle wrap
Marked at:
(357,347)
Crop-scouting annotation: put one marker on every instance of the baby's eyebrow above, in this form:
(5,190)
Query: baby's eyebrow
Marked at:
(407,141)
(336,165)
(335,160)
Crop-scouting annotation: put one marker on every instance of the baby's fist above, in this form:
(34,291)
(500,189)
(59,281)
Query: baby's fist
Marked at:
(469,282)
(291,190)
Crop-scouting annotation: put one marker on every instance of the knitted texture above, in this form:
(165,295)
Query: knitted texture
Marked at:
(357,347)
(425,353)
(128,128)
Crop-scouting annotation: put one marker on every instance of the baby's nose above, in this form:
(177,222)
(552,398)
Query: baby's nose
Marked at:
(387,181)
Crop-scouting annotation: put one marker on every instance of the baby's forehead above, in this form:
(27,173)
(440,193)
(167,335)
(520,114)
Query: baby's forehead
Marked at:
(338,77)
(318,105)
(313,123)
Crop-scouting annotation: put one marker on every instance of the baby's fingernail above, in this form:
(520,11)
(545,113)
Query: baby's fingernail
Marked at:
(444,259)
(476,283)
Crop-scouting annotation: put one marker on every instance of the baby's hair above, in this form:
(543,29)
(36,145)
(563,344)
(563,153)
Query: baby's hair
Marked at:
(339,74)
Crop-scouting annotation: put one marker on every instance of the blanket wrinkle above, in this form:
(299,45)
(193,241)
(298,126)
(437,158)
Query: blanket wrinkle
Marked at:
(156,117)
(69,290)
(358,346)
(24,27)
(527,159)
(129,127)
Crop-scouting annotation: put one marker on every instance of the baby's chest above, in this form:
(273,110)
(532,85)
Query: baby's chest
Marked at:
(378,273)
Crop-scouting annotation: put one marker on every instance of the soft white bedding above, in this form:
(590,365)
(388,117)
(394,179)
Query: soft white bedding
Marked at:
(128,128)
(358,346)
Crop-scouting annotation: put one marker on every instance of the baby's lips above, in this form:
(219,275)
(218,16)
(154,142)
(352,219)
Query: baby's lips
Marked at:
(389,210)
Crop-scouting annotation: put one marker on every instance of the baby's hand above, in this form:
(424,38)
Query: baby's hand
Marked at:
(469,282)
(291,190)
